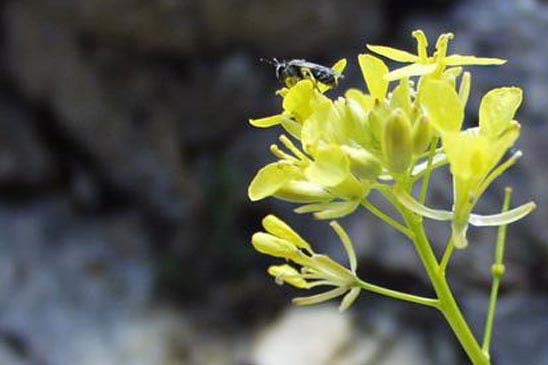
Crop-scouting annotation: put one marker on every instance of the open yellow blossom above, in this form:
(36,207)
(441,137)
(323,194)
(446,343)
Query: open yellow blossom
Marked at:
(473,154)
(422,64)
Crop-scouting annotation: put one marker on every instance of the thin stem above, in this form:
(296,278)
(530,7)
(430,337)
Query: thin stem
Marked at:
(447,256)
(398,295)
(428,172)
(498,272)
(447,304)
(386,218)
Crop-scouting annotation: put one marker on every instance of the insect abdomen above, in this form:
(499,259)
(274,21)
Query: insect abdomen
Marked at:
(325,77)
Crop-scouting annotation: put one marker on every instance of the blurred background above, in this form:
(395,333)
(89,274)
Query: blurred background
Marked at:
(125,155)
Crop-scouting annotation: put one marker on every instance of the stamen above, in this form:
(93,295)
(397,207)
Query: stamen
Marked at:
(290,146)
(277,151)
(422,45)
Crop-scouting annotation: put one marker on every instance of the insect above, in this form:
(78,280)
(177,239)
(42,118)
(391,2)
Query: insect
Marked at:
(291,72)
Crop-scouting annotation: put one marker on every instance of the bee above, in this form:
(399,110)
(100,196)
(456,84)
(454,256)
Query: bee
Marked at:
(291,72)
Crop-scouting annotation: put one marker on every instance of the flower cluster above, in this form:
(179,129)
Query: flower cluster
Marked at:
(337,151)
(281,241)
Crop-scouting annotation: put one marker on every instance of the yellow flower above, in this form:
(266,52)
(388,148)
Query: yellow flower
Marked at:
(334,172)
(422,64)
(315,270)
(473,154)
(298,105)
(325,180)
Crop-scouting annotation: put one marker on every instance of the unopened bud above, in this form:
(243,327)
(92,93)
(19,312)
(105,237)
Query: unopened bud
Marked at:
(273,246)
(422,135)
(397,142)
(362,163)
(279,228)
(374,122)
(288,274)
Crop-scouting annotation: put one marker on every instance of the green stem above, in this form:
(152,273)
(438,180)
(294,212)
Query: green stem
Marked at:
(398,295)
(428,172)
(447,256)
(498,272)
(447,304)
(386,218)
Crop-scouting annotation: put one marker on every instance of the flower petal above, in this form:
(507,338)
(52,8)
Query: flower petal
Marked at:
(330,168)
(442,105)
(292,127)
(393,53)
(302,191)
(267,122)
(416,69)
(497,109)
(330,210)
(401,96)
(297,102)
(374,71)
(458,60)
(268,180)
(339,66)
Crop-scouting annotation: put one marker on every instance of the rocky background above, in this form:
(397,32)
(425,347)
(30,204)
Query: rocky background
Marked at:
(124,160)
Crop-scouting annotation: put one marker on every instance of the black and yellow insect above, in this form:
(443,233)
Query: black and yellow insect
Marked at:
(293,71)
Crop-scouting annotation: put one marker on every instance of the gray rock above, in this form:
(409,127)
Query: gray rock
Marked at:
(25,160)
(65,277)
(184,28)
(119,115)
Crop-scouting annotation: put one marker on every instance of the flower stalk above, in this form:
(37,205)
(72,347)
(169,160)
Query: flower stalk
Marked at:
(497,270)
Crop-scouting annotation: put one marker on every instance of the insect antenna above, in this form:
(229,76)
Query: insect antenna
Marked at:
(273,61)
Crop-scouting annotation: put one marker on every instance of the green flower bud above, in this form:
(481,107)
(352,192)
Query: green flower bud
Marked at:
(362,163)
(422,135)
(374,123)
(397,143)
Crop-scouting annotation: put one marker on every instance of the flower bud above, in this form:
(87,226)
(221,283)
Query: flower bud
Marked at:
(422,135)
(374,123)
(273,246)
(288,274)
(279,228)
(362,163)
(397,142)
